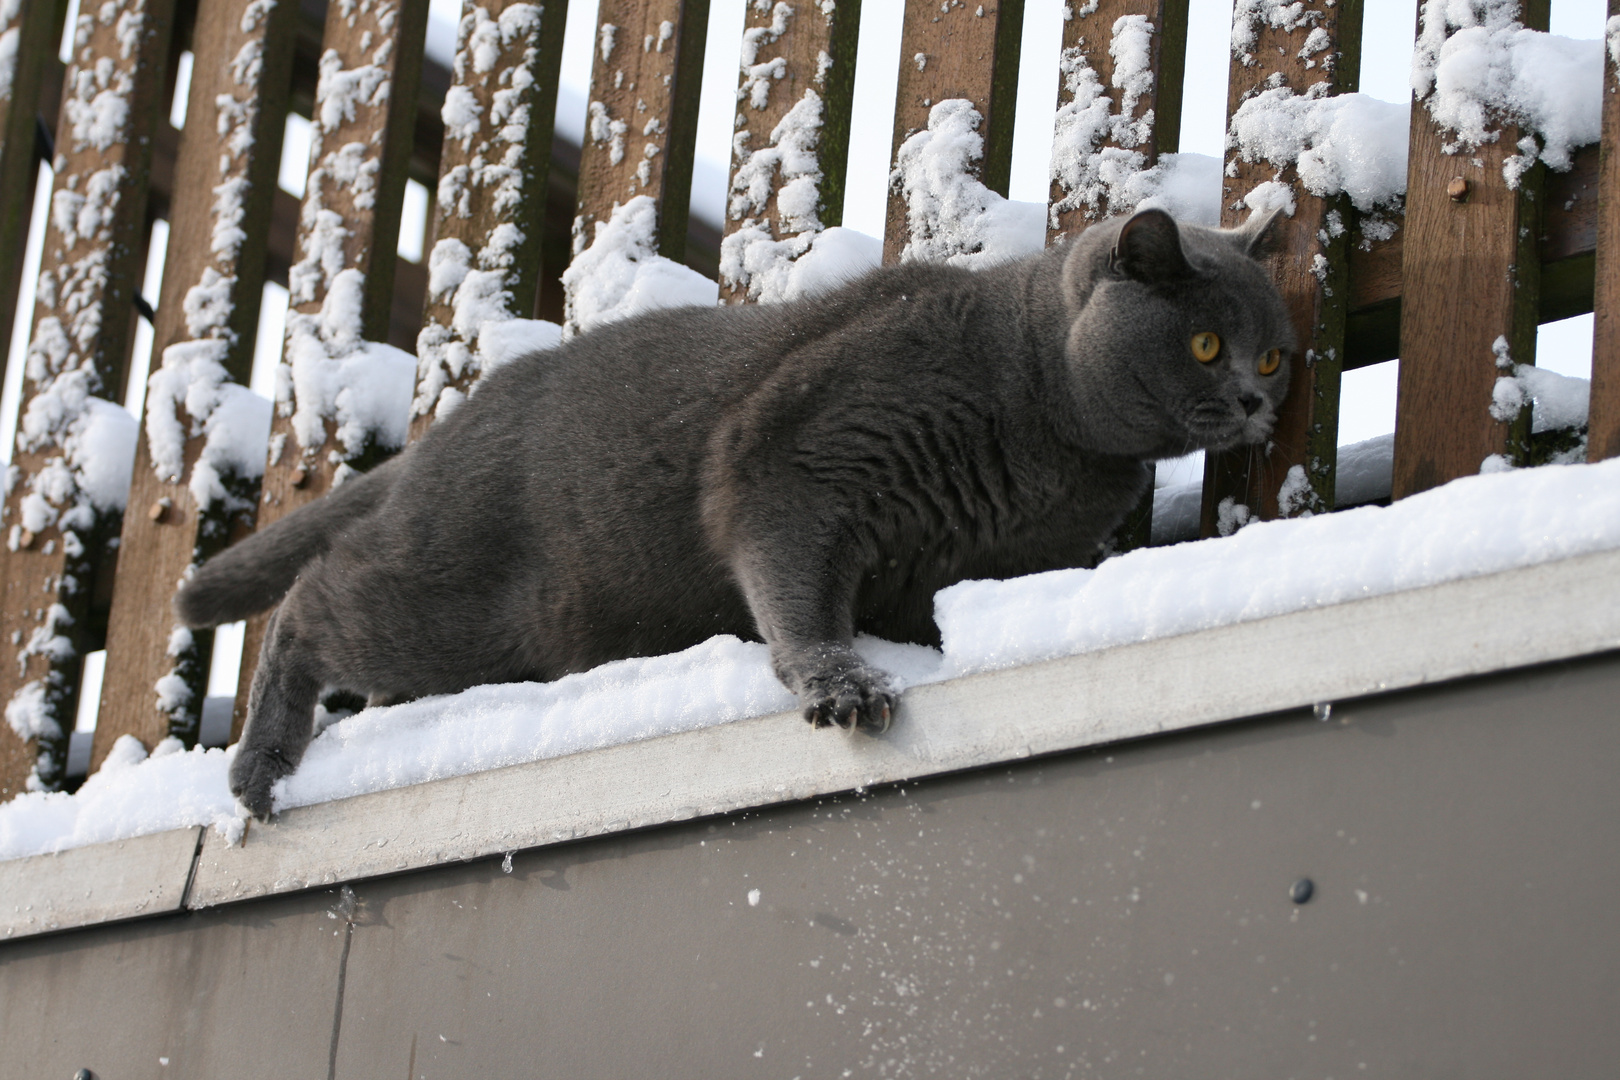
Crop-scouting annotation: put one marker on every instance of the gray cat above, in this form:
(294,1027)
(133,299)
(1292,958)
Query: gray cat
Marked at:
(795,472)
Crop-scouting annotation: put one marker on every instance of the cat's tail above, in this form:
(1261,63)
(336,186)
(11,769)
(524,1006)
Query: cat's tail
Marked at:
(254,575)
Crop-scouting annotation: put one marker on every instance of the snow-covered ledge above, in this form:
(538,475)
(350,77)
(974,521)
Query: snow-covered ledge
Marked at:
(1494,622)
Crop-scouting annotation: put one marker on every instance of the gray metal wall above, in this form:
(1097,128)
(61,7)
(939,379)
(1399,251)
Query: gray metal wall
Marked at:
(1118,913)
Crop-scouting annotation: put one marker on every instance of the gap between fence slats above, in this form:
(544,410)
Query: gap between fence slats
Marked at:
(797,60)
(1603,416)
(216,258)
(641,128)
(491,193)
(1293,473)
(956,49)
(1470,279)
(346,224)
(58,550)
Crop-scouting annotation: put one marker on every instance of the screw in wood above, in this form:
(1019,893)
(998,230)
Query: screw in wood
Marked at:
(1302,890)
(300,477)
(1458,189)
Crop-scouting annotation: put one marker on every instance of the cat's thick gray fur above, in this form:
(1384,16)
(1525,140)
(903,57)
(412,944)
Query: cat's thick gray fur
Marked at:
(794,472)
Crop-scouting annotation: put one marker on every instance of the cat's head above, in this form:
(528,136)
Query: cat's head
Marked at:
(1178,340)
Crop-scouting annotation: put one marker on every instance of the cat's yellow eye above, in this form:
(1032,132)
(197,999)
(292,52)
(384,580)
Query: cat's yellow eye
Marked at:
(1270,362)
(1206,345)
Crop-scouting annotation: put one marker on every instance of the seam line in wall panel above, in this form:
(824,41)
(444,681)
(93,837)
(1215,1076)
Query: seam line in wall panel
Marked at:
(337,1010)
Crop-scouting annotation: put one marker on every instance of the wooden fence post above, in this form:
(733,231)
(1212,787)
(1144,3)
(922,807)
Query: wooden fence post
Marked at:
(33,29)
(60,513)
(1291,50)
(492,190)
(1145,121)
(1470,283)
(348,231)
(954,49)
(799,61)
(641,130)
(183,498)
(1135,136)
(1603,415)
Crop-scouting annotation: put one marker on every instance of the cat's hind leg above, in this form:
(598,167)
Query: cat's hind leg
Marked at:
(281,712)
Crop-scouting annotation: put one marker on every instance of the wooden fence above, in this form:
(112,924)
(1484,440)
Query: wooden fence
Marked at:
(1473,261)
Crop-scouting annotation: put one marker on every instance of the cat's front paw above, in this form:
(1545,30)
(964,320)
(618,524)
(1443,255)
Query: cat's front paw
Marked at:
(850,698)
(253,773)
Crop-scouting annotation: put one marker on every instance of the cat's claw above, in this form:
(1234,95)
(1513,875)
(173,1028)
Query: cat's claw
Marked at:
(253,774)
(849,702)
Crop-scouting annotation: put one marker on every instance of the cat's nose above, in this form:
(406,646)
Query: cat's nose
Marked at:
(1252,403)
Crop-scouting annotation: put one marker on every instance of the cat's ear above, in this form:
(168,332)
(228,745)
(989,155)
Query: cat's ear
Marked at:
(1258,236)
(1148,249)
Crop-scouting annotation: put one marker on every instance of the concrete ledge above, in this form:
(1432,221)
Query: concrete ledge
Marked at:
(1492,623)
(144,875)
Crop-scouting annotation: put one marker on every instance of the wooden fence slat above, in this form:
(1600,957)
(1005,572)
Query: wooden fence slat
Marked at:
(1150,127)
(1603,415)
(794,60)
(1317,43)
(641,129)
(203,351)
(58,518)
(348,231)
(956,49)
(28,33)
(1146,122)
(492,190)
(1470,281)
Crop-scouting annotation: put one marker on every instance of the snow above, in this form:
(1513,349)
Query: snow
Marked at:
(1476,525)
(234,421)
(363,387)
(1250,17)
(751,257)
(1348,143)
(97,108)
(756,77)
(8,57)
(1095,160)
(1476,67)
(951,216)
(478,289)
(621,273)
(330,374)
(803,265)
(509,339)
(191,381)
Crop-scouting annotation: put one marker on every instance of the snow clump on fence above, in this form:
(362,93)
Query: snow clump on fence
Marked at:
(951,216)
(479,288)
(1348,143)
(1476,66)
(621,273)
(1104,178)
